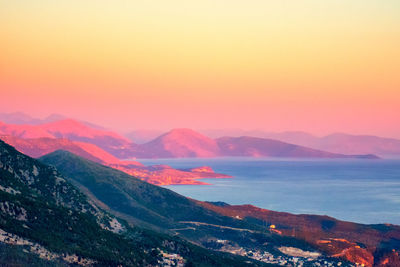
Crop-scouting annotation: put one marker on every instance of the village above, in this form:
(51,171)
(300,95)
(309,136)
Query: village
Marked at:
(289,256)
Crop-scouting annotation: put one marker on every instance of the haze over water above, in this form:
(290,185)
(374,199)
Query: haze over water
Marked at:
(365,191)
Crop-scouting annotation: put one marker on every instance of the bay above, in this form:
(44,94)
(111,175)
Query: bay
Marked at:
(364,191)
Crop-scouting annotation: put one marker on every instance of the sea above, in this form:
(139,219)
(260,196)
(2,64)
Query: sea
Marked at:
(364,191)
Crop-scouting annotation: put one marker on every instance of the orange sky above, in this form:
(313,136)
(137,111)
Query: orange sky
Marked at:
(317,66)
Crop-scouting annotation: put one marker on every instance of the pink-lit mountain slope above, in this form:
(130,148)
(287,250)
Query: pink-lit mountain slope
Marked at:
(165,175)
(77,131)
(23,131)
(37,147)
(158,174)
(180,143)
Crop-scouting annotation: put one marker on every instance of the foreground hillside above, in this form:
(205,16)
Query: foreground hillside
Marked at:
(377,245)
(228,228)
(42,210)
(45,220)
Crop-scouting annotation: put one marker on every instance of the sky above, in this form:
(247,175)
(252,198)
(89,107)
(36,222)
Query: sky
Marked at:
(275,65)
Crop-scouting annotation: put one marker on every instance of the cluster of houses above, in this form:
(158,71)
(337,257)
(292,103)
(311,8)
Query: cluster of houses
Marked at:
(171,259)
(302,258)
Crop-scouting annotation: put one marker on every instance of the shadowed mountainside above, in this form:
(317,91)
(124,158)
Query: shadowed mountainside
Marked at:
(122,192)
(163,209)
(42,215)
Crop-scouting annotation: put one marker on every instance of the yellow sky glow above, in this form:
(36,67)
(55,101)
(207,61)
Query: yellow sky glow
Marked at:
(282,53)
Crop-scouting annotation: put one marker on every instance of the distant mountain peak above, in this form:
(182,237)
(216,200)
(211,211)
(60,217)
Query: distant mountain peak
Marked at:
(61,153)
(54,117)
(22,118)
(68,123)
(17,118)
(76,130)
(183,131)
(181,142)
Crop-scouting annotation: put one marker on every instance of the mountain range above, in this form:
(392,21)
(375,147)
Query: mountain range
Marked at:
(340,143)
(22,118)
(183,143)
(109,148)
(187,142)
(177,143)
(63,209)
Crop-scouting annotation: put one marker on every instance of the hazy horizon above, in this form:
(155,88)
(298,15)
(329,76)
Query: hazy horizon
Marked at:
(210,132)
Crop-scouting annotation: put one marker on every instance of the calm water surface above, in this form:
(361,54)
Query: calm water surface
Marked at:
(365,191)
